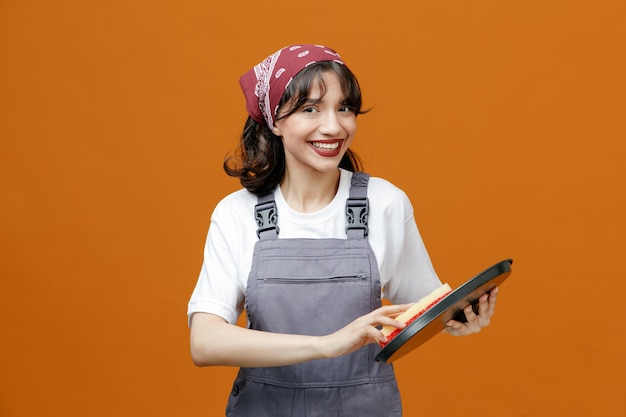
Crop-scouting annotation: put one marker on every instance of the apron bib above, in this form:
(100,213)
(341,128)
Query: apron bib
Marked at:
(315,287)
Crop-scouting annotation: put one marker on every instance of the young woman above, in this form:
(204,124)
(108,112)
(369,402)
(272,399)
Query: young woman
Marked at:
(308,247)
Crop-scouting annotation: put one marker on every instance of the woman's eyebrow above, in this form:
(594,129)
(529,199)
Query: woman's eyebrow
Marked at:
(316,100)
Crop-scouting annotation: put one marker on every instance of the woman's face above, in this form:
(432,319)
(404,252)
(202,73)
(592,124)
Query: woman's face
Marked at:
(317,135)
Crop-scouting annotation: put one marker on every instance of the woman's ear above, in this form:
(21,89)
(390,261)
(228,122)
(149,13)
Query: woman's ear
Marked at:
(276,131)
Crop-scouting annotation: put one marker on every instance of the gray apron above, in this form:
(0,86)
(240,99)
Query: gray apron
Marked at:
(315,287)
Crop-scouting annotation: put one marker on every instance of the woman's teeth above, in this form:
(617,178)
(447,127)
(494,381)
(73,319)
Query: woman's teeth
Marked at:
(326,145)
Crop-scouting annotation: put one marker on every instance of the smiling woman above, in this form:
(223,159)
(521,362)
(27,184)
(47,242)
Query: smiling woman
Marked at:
(503,121)
(345,238)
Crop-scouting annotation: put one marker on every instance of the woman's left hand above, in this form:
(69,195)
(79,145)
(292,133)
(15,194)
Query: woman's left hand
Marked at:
(475,322)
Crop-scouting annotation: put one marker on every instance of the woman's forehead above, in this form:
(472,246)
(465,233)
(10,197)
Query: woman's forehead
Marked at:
(321,84)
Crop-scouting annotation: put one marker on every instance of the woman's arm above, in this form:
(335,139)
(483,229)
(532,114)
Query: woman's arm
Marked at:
(217,342)
(214,341)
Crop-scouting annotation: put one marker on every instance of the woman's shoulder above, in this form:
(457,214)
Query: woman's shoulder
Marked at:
(389,198)
(236,204)
(381,186)
(376,185)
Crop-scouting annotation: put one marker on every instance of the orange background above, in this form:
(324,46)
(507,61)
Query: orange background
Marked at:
(503,122)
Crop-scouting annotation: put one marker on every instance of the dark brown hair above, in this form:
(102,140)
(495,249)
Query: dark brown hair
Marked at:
(259,160)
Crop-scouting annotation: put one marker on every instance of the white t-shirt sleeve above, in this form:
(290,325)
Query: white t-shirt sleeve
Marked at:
(219,289)
(414,276)
(406,271)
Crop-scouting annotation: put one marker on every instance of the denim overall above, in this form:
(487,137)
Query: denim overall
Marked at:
(315,287)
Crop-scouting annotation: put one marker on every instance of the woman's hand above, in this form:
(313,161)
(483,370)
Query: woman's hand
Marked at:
(475,322)
(362,331)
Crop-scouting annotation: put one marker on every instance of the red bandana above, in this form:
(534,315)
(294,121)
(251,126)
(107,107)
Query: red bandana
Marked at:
(264,85)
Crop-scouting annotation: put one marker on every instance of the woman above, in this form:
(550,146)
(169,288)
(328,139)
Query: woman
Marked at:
(308,247)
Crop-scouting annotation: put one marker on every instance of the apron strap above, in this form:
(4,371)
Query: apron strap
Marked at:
(357,207)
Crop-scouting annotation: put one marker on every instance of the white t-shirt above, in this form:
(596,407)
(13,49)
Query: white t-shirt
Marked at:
(406,272)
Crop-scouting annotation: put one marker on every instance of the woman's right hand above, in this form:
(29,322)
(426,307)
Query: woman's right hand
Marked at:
(213,341)
(362,331)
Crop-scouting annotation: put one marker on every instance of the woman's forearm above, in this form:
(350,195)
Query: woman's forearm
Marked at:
(216,342)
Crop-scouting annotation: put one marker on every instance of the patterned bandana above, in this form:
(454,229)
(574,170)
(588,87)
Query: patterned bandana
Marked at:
(264,85)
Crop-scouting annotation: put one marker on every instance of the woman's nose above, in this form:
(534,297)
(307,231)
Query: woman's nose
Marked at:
(330,124)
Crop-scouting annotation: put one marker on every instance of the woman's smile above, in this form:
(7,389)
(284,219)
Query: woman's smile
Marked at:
(327,147)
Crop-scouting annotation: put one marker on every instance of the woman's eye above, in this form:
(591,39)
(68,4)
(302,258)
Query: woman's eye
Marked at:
(345,109)
(308,110)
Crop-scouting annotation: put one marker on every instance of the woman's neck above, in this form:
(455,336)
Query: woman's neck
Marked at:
(309,193)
